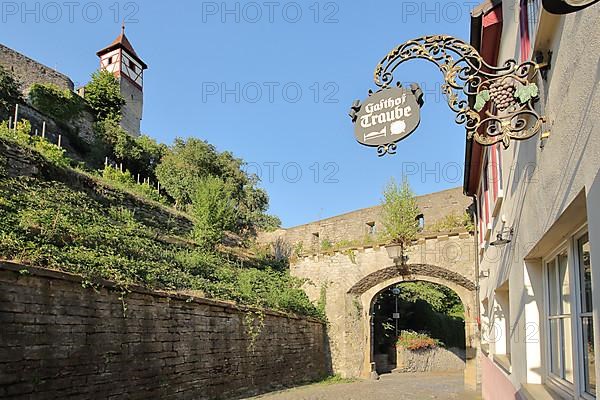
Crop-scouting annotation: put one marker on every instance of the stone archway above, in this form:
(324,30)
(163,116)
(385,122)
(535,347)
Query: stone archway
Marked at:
(359,302)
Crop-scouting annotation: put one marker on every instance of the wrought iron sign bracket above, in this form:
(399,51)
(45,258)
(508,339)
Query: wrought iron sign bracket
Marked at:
(495,104)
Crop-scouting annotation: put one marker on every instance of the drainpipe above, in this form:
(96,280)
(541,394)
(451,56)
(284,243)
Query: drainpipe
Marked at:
(476,243)
(477,288)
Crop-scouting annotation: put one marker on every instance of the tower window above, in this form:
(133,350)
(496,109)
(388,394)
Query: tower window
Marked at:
(110,60)
(371,228)
(421,220)
(315,238)
(132,65)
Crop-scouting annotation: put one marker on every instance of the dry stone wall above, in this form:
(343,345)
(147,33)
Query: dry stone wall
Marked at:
(61,340)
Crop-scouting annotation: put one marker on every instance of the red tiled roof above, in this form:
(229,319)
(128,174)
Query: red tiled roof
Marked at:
(122,42)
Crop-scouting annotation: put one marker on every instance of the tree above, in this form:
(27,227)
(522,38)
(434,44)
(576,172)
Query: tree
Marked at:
(103,94)
(10,93)
(115,138)
(188,162)
(181,169)
(213,209)
(150,154)
(400,212)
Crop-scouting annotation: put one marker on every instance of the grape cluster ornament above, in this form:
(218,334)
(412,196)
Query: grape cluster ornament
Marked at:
(494,103)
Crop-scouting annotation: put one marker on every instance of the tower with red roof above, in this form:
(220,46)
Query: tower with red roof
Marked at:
(121,59)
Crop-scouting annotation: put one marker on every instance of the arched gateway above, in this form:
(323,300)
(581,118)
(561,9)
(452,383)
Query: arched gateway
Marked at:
(348,280)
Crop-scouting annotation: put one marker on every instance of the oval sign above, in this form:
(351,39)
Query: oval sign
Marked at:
(387,117)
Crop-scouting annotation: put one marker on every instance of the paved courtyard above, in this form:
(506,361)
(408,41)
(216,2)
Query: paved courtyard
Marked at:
(440,386)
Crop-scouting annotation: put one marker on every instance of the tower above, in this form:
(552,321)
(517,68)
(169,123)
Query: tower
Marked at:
(121,59)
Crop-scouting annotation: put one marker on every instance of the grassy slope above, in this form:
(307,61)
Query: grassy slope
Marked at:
(47,222)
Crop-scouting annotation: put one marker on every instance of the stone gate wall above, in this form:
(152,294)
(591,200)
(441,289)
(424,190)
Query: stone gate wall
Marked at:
(62,340)
(347,280)
(365,224)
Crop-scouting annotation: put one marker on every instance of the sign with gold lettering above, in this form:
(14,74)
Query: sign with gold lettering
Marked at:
(387,116)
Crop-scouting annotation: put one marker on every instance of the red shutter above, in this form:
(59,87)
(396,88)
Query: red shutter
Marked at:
(524,31)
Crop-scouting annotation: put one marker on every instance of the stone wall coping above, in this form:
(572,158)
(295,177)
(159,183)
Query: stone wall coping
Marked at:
(461,234)
(364,209)
(110,285)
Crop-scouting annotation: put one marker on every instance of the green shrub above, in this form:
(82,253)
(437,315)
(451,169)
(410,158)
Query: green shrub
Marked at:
(21,137)
(412,340)
(452,222)
(125,181)
(62,104)
(326,244)
(10,93)
(213,209)
(399,212)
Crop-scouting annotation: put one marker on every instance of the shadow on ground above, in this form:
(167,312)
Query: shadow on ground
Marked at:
(394,386)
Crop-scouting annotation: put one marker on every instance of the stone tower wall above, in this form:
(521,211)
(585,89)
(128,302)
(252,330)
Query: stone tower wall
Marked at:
(133,108)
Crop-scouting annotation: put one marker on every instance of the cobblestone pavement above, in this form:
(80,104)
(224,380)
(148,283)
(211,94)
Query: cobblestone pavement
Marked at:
(439,386)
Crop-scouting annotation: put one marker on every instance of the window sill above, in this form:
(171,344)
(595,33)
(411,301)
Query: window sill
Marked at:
(498,204)
(485,349)
(539,392)
(504,362)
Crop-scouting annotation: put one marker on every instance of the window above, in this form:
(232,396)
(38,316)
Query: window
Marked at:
(585,316)
(501,328)
(559,316)
(132,65)
(421,220)
(110,60)
(570,363)
(371,228)
(528,26)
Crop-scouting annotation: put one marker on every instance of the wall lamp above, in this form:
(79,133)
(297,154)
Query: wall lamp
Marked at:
(503,237)
(396,252)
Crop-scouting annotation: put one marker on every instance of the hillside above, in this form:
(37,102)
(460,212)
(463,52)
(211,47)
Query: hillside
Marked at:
(54,216)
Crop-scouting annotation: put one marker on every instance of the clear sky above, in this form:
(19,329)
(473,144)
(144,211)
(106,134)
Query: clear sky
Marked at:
(270,81)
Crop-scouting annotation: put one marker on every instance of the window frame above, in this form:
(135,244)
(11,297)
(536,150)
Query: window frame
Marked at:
(528,27)
(577,388)
(579,314)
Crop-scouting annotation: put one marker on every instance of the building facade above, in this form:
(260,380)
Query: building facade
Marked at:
(538,210)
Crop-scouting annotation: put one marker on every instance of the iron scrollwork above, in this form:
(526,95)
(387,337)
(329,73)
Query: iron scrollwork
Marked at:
(505,95)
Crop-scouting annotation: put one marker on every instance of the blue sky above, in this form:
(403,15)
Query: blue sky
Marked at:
(195,49)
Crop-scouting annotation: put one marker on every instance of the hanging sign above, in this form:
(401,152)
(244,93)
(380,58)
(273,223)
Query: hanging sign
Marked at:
(387,116)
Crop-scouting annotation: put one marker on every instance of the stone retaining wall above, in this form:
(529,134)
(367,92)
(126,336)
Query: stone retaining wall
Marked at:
(62,340)
(438,359)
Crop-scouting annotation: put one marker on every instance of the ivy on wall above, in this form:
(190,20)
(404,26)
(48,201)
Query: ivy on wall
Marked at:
(61,104)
